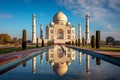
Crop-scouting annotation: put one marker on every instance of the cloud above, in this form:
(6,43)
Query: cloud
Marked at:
(102,12)
(114,34)
(4,15)
(115,4)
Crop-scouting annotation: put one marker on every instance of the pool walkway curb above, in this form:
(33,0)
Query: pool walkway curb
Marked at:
(106,57)
(9,57)
(108,53)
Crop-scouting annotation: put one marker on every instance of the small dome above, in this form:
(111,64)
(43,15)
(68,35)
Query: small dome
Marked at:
(51,24)
(60,17)
(68,23)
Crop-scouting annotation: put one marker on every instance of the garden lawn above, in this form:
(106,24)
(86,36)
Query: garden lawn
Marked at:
(114,49)
(8,50)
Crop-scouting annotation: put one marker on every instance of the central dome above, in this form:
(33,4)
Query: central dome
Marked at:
(60,68)
(60,17)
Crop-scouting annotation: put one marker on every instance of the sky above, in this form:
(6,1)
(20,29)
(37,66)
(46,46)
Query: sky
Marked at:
(16,15)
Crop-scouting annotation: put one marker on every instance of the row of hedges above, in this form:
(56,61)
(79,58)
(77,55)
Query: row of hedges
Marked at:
(96,42)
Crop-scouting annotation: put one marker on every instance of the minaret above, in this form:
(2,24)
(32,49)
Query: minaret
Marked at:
(87,30)
(34,64)
(87,63)
(41,31)
(79,33)
(33,29)
(80,58)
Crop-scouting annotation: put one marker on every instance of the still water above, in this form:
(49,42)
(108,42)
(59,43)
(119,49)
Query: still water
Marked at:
(62,63)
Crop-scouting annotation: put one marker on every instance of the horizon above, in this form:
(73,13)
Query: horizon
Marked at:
(17,15)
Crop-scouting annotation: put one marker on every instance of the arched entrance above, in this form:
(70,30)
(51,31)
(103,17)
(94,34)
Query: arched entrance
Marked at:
(60,34)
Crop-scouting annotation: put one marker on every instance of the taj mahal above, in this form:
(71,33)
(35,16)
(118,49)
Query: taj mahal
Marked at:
(60,30)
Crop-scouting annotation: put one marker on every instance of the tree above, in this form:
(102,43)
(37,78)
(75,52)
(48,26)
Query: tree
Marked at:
(37,43)
(24,39)
(92,41)
(98,39)
(79,42)
(69,42)
(83,41)
(117,42)
(76,42)
(42,43)
(72,42)
(5,38)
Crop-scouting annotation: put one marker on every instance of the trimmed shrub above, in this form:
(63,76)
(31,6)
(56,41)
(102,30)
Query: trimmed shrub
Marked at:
(24,39)
(79,42)
(37,43)
(42,43)
(92,41)
(98,39)
(76,42)
(83,41)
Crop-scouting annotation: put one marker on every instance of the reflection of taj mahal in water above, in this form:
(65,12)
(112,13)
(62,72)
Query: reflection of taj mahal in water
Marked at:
(60,59)
(59,30)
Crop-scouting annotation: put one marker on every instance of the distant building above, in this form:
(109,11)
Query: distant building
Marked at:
(110,40)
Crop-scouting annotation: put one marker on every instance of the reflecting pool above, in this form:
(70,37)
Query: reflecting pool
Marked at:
(62,63)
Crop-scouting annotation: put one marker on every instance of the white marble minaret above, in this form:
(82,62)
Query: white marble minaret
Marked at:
(79,33)
(33,29)
(87,63)
(34,65)
(87,30)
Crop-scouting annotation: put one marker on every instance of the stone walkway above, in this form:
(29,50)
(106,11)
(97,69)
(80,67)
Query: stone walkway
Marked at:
(108,53)
(8,57)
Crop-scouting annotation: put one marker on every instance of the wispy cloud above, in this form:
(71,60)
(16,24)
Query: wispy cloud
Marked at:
(101,11)
(104,13)
(5,15)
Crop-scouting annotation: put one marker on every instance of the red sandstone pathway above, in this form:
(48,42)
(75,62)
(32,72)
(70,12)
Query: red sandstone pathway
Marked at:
(109,53)
(8,57)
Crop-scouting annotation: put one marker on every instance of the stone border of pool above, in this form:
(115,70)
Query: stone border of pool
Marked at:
(104,55)
(11,60)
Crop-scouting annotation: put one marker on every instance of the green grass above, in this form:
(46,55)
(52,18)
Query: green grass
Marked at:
(110,49)
(8,50)
(114,49)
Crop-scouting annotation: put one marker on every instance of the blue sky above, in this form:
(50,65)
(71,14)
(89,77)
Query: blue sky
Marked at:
(16,15)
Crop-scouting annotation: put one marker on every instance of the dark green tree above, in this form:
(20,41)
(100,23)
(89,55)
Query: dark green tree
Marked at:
(98,61)
(76,42)
(24,39)
(92,41)
(42,43)
(79,42)
(37,43)
(83,41)
(69,42)
(98,39)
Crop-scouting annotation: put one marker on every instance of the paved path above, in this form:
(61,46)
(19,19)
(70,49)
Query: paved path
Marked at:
(8,57)
(109,53)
